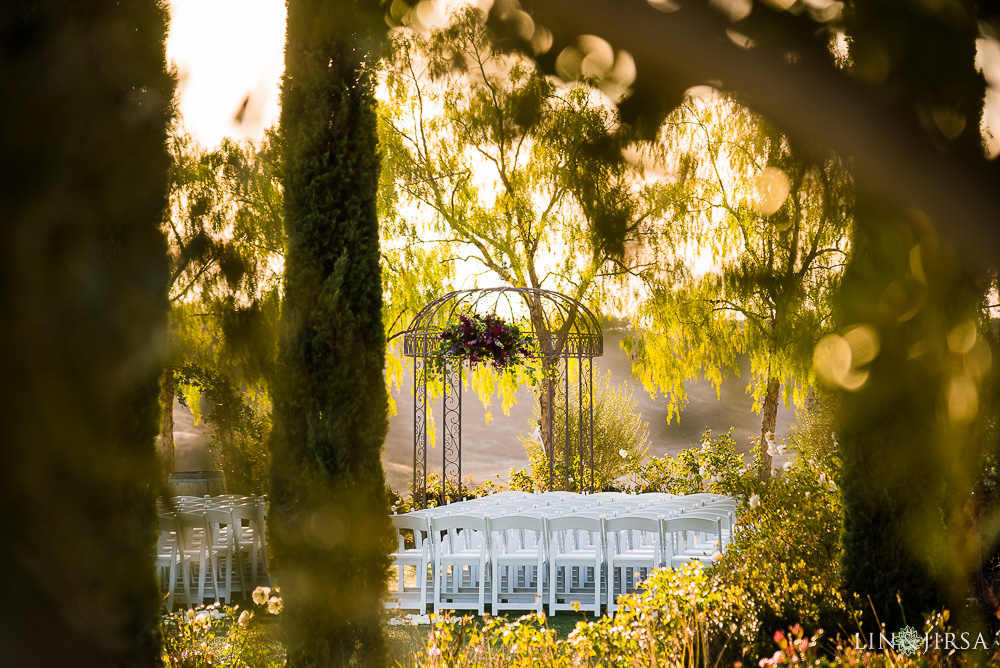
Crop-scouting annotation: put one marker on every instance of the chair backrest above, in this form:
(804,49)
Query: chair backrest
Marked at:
(571,531)
(685,523)
(171,533)
(553,497)
(632,523)
(688,522)
(215,519)
(416,524)
(409,522)
(607,496)
(631,530)
(518,530)
(527,522)
(449,522)
(474,530)
(508,495)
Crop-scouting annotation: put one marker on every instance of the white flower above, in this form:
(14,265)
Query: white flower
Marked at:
(822,478)
(832,487)
(702,471)
(260,595)
(782,449)
(275,606)
(754,500)
(771,450)
(787,466)
(624,453)
(807,495)
(245,617)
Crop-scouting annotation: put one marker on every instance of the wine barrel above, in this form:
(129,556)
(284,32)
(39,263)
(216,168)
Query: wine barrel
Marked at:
(197,483)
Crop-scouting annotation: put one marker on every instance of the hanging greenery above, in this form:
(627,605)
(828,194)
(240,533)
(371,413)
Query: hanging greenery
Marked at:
(477,339)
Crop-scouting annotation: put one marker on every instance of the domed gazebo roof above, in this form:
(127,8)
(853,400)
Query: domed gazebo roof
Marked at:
(570,329)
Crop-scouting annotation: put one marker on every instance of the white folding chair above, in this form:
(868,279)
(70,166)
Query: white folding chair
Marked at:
(220,536)
(461,548)
(171,560)
(199,546)
(634,544)
(518,548)
(692,538)
(418,556)
(576,545)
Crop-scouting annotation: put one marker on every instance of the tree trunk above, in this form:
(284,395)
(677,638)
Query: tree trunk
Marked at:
(165,441)
(547,387)
(768,421)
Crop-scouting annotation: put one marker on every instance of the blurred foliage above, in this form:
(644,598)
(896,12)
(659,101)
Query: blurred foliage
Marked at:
(328,524)
(224,229)
(83,305)
(914,397)
(239,428)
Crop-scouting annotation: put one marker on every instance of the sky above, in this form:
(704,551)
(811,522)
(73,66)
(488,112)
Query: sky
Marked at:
(227,52)
(230,51)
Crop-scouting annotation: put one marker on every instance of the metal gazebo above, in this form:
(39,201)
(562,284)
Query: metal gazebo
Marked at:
(569,337)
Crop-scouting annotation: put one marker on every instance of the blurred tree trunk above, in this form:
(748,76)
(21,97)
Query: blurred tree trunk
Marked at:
(329,522)
(83,274)
(165,441)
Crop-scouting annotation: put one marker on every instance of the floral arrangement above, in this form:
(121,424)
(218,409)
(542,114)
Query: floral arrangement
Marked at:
(488,339)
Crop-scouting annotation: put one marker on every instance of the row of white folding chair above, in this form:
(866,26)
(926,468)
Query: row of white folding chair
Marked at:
(666,541)
(575,545)
(619,503)
(223,541)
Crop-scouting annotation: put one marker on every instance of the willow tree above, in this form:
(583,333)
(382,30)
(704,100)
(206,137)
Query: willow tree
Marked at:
(760,238)
(329,521)
(225,237)
(514,176)
(83,305)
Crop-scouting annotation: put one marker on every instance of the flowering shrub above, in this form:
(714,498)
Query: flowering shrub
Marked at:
(488,339)
(469,490)
(221,636)
(714,466)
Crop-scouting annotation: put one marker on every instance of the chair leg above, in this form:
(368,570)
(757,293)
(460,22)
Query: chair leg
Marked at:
(482,588)
(597,590)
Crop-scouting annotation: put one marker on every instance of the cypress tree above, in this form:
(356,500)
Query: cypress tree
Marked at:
(83,182)
(329,520)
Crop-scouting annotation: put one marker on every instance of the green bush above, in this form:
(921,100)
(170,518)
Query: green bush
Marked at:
(620,436)
(239,428)
(412,501)
(715,466)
